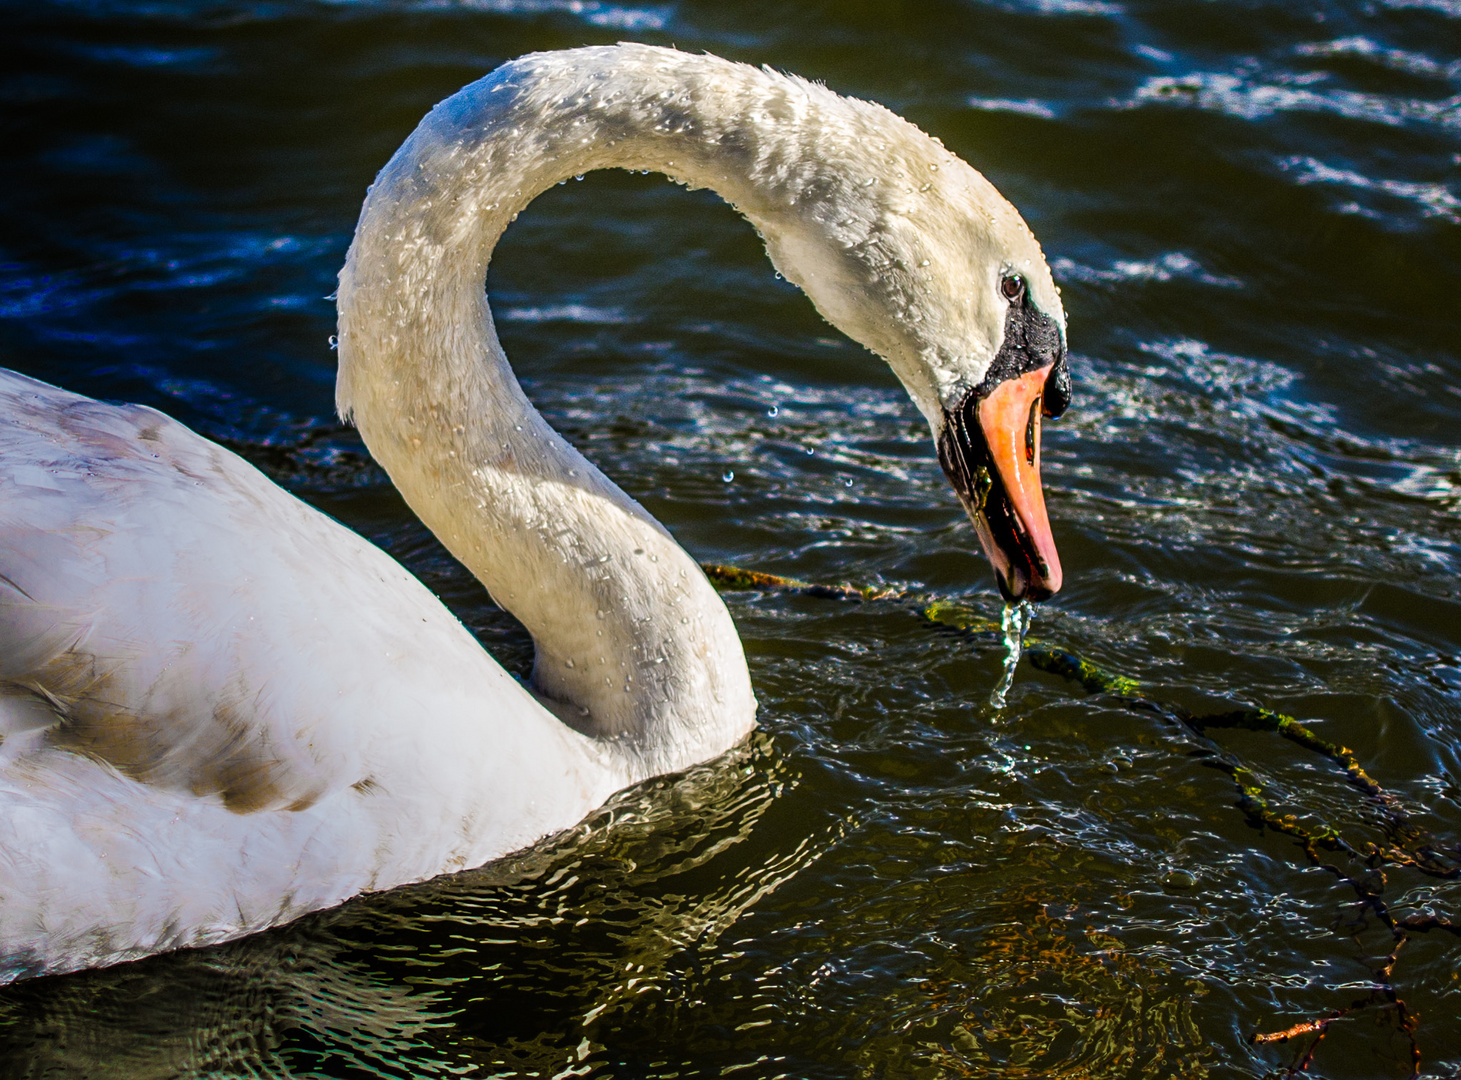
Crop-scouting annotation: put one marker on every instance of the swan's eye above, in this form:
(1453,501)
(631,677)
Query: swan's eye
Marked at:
(1013,287)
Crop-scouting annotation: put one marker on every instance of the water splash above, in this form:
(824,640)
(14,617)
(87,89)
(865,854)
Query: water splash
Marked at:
(1015,622)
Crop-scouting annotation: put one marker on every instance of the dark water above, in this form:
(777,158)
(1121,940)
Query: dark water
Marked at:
(1254,209)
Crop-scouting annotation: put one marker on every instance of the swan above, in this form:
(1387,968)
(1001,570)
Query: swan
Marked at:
(220,709)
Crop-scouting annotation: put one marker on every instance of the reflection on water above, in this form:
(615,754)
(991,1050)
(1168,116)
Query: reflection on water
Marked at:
(575,930)
(1254,213)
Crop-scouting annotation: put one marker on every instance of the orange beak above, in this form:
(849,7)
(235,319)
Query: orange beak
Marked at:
(1024,557)
(999,483)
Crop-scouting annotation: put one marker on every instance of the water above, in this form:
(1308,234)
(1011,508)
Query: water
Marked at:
(1014,624)
(1254,211)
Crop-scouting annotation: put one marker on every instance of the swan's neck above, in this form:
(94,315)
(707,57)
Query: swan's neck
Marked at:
(632,642)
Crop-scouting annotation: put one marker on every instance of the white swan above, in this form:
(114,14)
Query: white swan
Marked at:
(220,709)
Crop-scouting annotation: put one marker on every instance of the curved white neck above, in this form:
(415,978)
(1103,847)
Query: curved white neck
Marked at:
(633,644)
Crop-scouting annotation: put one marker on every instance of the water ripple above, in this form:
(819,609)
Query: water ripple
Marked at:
(1251,209)
(1251,94)
(1432,199)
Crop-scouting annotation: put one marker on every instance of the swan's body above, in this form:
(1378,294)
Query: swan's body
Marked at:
(220,709)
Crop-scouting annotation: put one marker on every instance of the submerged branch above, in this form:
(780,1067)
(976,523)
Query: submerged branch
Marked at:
(1306,1028)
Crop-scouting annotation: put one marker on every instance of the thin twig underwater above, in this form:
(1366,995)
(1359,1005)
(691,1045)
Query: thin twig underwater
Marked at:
(1407,844)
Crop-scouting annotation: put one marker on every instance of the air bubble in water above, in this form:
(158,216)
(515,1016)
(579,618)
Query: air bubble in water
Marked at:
(728,475)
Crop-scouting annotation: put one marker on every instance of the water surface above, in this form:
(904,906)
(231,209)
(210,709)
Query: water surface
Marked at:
(1254,211)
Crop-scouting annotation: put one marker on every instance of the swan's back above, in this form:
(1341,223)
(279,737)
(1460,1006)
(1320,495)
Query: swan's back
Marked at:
(220,708)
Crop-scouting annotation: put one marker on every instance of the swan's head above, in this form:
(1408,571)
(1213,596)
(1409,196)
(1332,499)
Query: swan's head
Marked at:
(988,436)
(913,253)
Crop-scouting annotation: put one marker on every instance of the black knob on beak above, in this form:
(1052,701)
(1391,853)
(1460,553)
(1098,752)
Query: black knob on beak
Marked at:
(1056,398)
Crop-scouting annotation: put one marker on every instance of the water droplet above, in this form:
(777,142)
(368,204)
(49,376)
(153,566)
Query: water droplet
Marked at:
(1015,622)
(772,411)
(334,342)
(847,483)
(728,475)
(579,176)
(1179,879)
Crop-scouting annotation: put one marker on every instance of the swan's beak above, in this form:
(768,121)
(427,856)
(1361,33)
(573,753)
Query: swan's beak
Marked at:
(990,451)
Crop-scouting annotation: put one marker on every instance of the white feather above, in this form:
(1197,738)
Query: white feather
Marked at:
(220,709)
